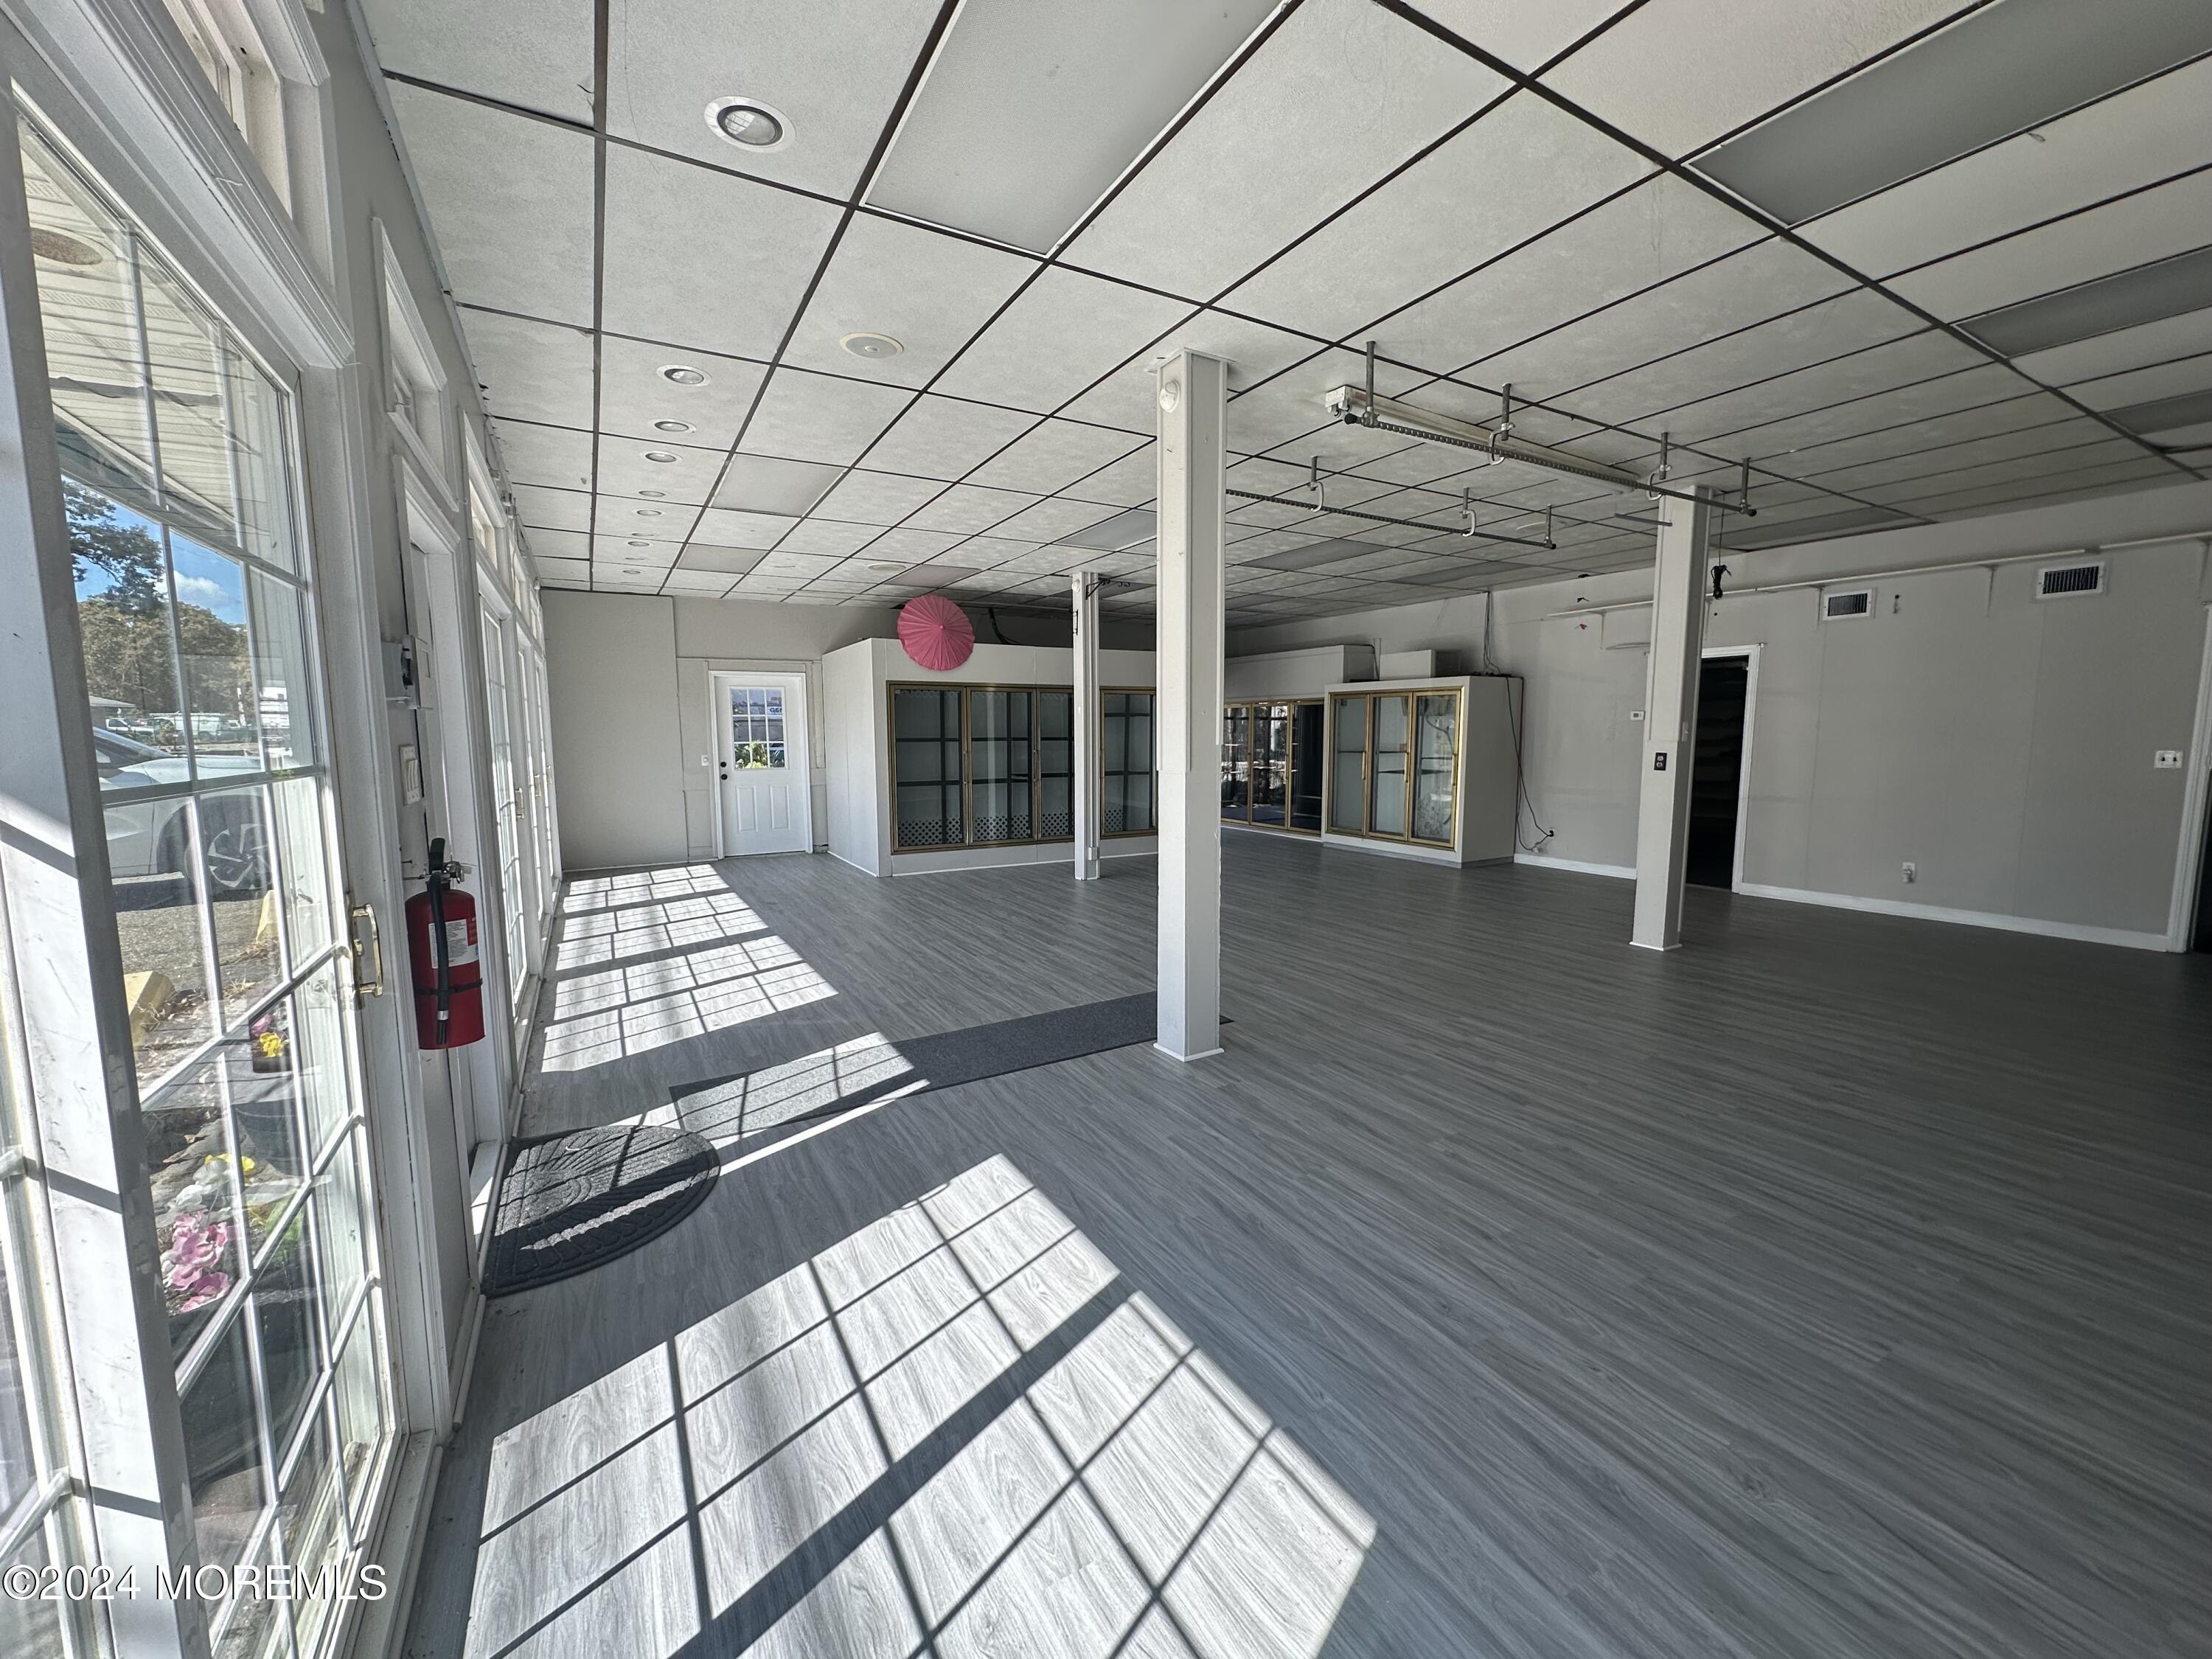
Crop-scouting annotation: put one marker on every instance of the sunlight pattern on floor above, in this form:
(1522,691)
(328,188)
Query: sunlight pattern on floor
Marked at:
(653,958)
(956,1432)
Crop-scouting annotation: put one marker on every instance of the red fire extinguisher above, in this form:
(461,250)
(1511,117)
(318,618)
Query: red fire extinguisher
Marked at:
(442,949)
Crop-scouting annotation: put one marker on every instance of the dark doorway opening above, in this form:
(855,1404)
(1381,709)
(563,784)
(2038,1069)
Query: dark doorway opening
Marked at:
(1716,771)
(2202,938)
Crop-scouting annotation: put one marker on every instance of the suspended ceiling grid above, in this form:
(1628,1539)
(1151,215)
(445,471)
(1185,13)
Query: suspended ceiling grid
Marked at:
(1914,260)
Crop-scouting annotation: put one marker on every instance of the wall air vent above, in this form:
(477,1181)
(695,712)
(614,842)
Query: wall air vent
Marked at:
(2070,581)
(1836,607)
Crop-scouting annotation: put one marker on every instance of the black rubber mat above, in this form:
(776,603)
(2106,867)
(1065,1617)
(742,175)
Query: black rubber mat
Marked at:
(569,1202)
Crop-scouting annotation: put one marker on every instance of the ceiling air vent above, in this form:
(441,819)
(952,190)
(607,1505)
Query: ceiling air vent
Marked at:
(1835,607)
(2069,581)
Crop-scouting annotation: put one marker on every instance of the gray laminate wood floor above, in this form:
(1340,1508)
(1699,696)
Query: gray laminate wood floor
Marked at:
(1834,1287)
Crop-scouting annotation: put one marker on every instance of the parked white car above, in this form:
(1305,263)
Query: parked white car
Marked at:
(150,837)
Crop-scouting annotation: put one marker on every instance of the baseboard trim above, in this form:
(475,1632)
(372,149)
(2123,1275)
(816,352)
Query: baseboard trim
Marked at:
(1620,871)
(2127,938)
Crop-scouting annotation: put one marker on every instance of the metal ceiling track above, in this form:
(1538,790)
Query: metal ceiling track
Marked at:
(1363,406)
(1314,502)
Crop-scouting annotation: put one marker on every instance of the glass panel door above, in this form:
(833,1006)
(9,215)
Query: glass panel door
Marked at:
(1125,802)
(1001,794)
(1056,765)
(1436,766)
(1305,766)
(196,609)
(1271,760)
(1236,763)
(926,770)
(1347,794)
(1386,805)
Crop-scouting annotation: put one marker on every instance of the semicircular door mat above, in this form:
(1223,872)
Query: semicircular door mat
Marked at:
(571,1201)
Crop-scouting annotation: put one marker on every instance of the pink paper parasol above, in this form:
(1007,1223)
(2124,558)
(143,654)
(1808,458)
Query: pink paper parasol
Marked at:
(936,632)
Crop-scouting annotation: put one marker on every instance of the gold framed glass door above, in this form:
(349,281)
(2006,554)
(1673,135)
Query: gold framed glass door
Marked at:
(1347,793)
(1386,800)
(1436,766)
(1126,799)
(1271,760)
(1055,766)
(1306,766)
(1236,763)
(1001,791)
(927,773)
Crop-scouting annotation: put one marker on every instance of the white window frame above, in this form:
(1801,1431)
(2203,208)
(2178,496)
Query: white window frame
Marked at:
(415,395)
(227,40)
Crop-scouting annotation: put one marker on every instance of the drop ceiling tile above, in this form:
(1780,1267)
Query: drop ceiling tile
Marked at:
(1971,388)
(1731,293)
(875,498)
(706,259)
(2145,343)
(1657,232)
(2020,492)
(946,437)
(1525,36)
(696,584)
(516,236)
(929,292)
(540,508)
(2153,224)
(1290,406)
(827,536)
(1984,421)
(991,552)
(1054,517)
(1064,331)
(720,527)
(1515,174)
(821,417)
(1973,451)
(2154,130)
(1049,561)
(2143,386)
(968,507)
(637,550)
(805,565)
(1031,113)
(560,545)
(552,455)
(1880,368)
(634,393)
(912,546)
(686,481)
(1678,74)
(526,52)
(1229,190)
(833,72)
(2025,469)
(563,573)
(1849,322)
(530,371)
(767,484)
(625,513)
(1133,481)
(1053,456)
(1127,398)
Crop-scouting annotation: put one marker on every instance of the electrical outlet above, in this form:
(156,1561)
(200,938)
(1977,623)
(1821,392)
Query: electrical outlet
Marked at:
(1636,714)
(2167,760)
(1911,872)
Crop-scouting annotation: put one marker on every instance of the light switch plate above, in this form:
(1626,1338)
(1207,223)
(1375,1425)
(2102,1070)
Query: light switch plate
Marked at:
(2167,760)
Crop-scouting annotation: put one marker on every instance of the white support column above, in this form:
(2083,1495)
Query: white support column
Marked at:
(1192,403)
(1084,594)
(1678,637)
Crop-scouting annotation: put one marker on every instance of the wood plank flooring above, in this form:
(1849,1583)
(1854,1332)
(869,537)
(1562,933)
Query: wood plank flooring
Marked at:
(1837,1285)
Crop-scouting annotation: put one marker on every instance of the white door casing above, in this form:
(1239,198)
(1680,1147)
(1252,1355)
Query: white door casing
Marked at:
(763,773)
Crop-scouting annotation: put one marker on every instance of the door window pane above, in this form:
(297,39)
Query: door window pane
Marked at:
(1271,757)
(338,1228)
(223,1451)
(237,853)
(285,1319)
(1348,771)
(196,1219)
(757,728)
(1126,801)
(308,1515)
(122,574)
(30,1628)
(318,1030)
(192,433)
(284,699)
(925,768)
(1436,766)
(158,917)
(1386,804)
(1236,763)
(257,1072)
(301,868)
(1306,765)
(214,661)
(360,1410)
(256,1622)
(260,459)
(999,756)
(1056,765)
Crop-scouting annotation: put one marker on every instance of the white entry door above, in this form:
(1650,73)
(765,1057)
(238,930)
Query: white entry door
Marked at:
(764,767)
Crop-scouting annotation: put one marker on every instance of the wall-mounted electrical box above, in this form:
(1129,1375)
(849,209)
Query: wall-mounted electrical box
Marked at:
(403,662)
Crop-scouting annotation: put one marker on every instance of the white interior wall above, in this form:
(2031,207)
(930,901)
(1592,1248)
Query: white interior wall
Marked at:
(2002,744)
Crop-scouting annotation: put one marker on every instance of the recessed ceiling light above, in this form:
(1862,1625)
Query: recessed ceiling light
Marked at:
(627,571)
(671,425)
(749,123)
(872,345)
(657,495)
(648,513)
(666,457)
(639,544)
(685,374)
